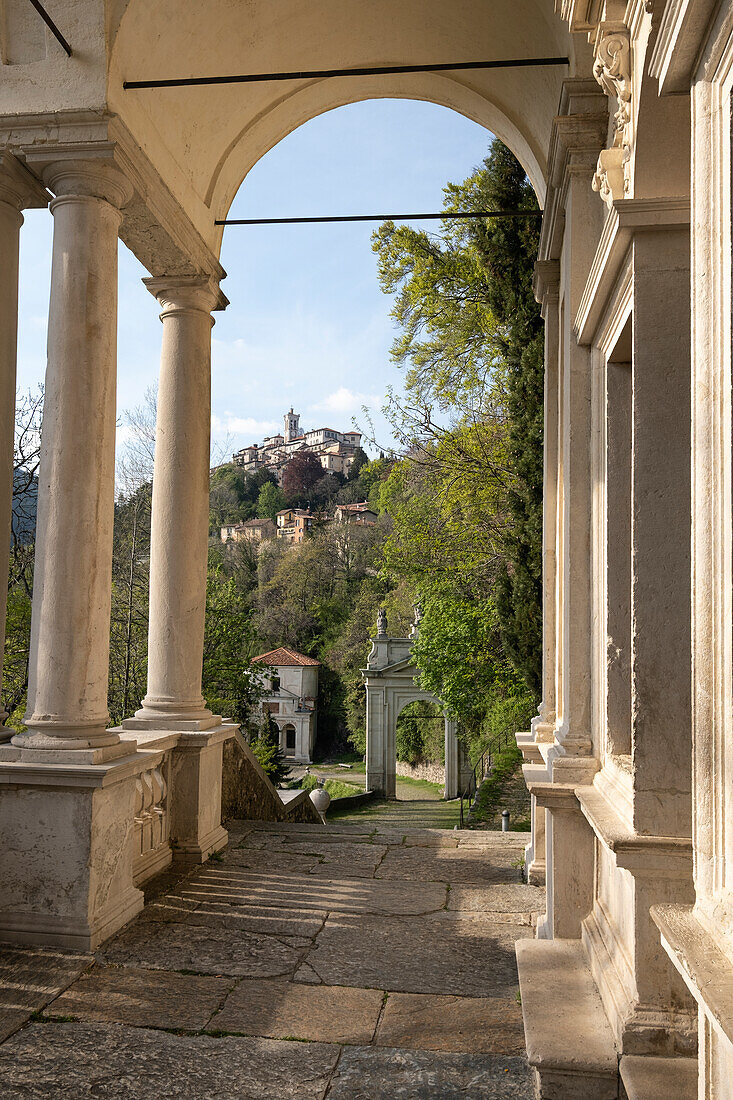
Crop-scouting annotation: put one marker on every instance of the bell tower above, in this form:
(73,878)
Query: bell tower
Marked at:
(292,425)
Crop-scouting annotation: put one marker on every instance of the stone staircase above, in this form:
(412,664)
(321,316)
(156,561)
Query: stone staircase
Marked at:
(249,794)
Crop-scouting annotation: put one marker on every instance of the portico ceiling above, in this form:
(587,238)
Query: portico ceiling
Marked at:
(204,140)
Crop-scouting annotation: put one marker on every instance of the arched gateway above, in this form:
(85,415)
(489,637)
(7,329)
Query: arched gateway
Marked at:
(390,679)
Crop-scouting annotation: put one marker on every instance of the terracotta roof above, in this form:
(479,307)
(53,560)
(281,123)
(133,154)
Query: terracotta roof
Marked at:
(284,656)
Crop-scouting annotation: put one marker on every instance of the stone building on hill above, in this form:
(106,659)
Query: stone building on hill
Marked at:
(334,450)
(252,530)
(293,524)
(361,513)
(292,699)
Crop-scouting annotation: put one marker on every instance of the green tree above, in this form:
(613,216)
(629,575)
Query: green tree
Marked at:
(266,747)
(270,501)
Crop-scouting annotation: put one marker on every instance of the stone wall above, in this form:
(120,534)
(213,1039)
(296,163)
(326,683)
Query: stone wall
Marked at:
(434,773)
(248,795)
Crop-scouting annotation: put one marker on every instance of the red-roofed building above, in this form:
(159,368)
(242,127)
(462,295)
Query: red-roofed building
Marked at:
(291,699)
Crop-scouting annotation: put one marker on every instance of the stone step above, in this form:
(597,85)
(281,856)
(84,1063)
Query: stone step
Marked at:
(569,1040)
(644,1077)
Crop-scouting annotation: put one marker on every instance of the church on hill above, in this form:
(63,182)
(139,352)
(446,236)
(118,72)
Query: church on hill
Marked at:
(334,450)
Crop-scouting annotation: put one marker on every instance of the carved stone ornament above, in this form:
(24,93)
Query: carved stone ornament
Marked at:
(381,622)
(612,70)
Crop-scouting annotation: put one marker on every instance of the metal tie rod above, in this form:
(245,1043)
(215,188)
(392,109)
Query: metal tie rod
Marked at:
(324,74)
(382,217)
(51,26)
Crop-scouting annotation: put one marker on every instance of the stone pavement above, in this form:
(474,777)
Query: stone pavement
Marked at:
(343,962)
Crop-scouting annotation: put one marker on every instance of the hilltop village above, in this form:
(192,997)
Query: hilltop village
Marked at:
(291,482)
(334,450)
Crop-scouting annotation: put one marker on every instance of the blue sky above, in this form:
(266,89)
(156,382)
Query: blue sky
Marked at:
(307,325)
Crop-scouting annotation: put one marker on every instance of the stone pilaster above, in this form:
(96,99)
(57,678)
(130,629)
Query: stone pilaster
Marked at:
(18,190)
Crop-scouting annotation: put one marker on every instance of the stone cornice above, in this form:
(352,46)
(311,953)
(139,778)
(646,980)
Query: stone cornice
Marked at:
(625,218)
(682,31)
(670,856)
(154,226)
(578,134)
(546,282)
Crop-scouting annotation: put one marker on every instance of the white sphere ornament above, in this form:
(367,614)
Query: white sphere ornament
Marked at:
(321,799)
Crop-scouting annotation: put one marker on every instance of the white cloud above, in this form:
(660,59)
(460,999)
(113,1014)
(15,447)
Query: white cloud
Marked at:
(243,425)
(346,401)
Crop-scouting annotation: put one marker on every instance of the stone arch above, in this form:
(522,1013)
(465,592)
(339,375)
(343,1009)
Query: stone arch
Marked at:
(204,140)
(390,680)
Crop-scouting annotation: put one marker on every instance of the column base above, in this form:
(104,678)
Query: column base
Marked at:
(68,850)
(152,718)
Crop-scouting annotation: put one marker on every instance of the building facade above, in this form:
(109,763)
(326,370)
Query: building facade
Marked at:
(294,524)
(292,700)
(252,530)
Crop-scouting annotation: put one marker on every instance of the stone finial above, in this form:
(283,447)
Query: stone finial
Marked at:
(416,620)
(381,622)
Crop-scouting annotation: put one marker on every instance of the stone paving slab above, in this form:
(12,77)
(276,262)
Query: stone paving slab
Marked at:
(176,947)
(30,978)
(445,865)
(122,1063)
(367,1073)
(282,1010)
(499,898)
(143,998)
(292,923)
(418,956)
(279,862)
(232,885)
(465,1025)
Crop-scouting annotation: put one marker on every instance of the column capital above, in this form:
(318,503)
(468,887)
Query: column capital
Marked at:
(18,187)
(83,172)
(183,293)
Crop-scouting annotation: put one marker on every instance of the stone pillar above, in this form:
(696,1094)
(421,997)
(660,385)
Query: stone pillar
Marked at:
(180,512)
(579,135)
(68,803)
(375,739)
(178,564)
(547,289)
(451,760)
(660,543)
(18,189)
(69,646)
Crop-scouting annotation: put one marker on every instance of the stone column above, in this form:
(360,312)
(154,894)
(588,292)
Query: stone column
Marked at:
(180,513)
(69,646)
(68,804)
(178,564)
(18,189)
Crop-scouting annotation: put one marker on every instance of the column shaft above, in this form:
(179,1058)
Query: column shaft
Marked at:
(69,648)
(180,517)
